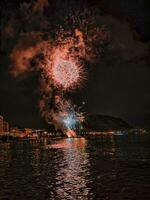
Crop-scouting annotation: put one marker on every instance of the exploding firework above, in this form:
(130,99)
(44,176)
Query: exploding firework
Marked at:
(67,117)
(70,121)
(66,74)
(60,61)
(63,62)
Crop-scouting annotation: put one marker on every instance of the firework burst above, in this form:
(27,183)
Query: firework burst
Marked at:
(66,74)
(63,63)
(67,117)
(60,62)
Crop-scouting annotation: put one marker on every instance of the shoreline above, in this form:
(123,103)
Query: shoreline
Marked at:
(5,138)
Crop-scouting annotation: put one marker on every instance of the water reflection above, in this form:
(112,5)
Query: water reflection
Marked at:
(69,143)
(73,169)
(111,168)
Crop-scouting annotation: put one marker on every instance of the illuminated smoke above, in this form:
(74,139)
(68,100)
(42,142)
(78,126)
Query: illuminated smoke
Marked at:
(40,5)
(59,61)
(26,50)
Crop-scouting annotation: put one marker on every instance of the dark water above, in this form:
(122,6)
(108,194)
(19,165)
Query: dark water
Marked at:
(110,168)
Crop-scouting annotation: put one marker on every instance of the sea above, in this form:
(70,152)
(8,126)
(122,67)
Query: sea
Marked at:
(113,167)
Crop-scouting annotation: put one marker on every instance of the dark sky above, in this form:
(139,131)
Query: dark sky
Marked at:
(118,82)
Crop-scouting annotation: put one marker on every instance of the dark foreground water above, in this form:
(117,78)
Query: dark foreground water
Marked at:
(110,168)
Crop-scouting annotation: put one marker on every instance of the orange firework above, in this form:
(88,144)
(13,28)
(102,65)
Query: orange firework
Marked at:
(59,60)
(66,74)
(63,62)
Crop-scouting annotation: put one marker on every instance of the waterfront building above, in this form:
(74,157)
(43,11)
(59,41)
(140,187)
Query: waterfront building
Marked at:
(1,125)
(28,132)
(5,127)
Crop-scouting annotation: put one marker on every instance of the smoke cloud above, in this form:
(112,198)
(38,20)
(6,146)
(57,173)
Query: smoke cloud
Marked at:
(58,54)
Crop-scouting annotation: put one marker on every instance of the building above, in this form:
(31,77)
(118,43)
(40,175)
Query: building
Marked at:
(1,124)
(4,126)
(16,132)
(28,132)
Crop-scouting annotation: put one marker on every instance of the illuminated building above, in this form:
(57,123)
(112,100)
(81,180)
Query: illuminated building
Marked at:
(1,124)
(5,126)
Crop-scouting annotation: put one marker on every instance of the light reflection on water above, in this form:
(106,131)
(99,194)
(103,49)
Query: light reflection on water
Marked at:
(110,167)
(71,179)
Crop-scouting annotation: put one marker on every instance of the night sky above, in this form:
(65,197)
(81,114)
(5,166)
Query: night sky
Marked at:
(118,82)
